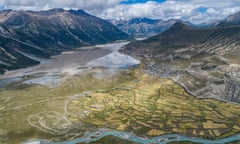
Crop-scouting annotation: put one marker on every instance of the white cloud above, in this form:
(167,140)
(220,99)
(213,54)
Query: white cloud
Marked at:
(112,9)
(176,9)
(43,4)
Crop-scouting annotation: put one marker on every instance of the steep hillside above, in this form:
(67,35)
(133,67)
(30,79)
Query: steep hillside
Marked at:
(203,60)
(15,54)
(50,32)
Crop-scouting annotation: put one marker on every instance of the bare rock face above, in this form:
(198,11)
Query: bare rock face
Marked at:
(205,61)
(24,34)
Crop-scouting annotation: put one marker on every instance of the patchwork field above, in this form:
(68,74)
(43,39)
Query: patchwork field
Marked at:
(19,103)
(153,106)
(130,101)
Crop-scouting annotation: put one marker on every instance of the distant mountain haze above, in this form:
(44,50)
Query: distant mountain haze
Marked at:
(230,20)
(145,27)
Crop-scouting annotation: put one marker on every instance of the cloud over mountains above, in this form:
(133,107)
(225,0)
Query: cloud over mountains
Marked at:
(196,11)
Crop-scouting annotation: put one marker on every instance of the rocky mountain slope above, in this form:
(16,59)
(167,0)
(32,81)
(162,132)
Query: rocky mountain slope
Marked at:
(15,54)
(49,32)
(205,61)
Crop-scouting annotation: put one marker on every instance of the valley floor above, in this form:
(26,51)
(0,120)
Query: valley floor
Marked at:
(110,98)
(130,101)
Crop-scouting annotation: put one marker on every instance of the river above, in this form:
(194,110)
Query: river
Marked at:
(164,139)
(81,60)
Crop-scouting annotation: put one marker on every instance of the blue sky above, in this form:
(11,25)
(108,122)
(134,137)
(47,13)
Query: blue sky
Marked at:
(202,9)
(195,11)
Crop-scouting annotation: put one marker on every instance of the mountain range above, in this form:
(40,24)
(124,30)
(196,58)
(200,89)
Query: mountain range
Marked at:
(28,34)
(145,27)
(205,61)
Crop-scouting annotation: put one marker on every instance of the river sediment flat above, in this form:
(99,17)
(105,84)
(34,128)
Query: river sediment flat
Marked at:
(69,63)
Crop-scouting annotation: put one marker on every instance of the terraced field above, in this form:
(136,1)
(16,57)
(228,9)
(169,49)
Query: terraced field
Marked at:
(130,101)
(22,105)
(153,106)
